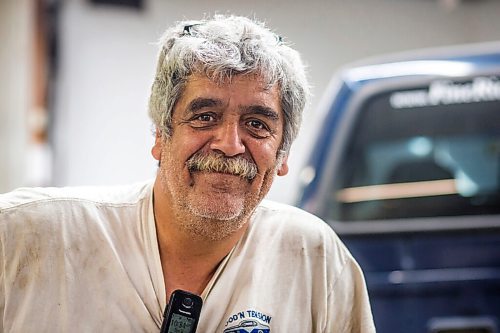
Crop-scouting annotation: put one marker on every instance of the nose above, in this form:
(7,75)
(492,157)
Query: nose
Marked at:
(227,140)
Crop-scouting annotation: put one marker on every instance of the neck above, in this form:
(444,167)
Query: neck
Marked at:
(188,260)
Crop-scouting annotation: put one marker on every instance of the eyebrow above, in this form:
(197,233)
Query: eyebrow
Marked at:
(206,102)
(262,110)
(203,102)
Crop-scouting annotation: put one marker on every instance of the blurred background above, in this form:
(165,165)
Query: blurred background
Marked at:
(76,74)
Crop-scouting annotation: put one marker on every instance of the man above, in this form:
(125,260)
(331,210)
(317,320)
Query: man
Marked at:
(226,102)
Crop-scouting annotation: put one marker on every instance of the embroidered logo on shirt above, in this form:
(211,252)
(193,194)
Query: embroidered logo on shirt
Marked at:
(249,321)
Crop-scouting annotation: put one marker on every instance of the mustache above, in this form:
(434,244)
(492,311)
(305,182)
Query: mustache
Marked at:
(216,162)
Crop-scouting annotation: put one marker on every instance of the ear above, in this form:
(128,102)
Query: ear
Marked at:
(157,147)
(283,168)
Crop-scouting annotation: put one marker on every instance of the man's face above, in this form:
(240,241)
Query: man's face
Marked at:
(240,120)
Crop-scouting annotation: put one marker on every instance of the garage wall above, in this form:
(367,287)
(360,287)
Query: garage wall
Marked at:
(15,61)
(101,133)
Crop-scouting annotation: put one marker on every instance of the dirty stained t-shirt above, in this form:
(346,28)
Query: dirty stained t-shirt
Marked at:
(86,259)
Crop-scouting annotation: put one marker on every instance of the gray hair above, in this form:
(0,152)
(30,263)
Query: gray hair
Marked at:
(221,48)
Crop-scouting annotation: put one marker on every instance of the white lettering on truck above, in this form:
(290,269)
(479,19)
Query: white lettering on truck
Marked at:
(444,92)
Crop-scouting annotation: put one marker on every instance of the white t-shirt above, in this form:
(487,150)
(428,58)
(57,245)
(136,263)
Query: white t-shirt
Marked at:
(86,260)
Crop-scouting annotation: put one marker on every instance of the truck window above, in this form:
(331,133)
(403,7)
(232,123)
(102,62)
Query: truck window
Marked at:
(424,152)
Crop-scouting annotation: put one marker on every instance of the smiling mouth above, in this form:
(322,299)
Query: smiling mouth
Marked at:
(219,181)
(222,173)
(220,176)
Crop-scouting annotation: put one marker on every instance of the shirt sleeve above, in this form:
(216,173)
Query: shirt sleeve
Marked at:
(348,304)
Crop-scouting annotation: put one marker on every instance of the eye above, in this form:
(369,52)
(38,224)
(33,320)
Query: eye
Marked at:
(256,124)
(258,128)
(204,117)
(202,120)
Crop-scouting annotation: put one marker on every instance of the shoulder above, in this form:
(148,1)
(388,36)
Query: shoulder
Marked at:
(273,215)
(46,209)
(272,209)
(296,228)
(292,235)
(38,196)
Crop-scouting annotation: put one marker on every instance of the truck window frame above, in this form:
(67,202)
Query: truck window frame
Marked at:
(336,153)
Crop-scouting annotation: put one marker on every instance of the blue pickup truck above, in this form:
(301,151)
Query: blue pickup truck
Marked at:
(406,169)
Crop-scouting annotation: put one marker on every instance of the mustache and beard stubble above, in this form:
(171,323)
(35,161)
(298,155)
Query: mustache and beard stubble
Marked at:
(206,216)
(199,214)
